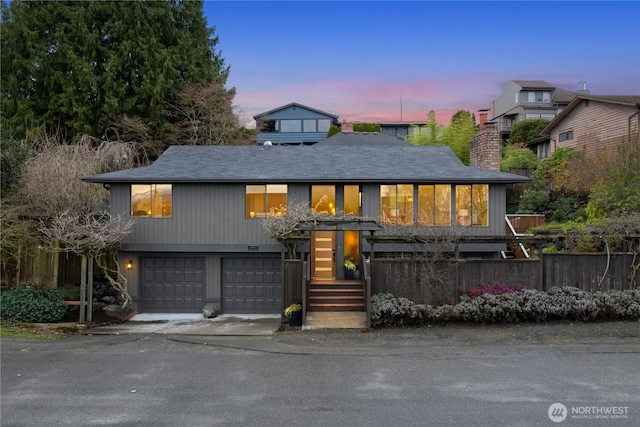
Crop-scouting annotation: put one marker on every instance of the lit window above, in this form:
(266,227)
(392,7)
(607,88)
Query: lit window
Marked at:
(434,205)
(396,204)
(472,205)
(262,199)
(151,200)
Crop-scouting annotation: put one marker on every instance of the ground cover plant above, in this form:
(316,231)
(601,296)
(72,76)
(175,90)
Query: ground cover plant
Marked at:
(526,305)
(32,305)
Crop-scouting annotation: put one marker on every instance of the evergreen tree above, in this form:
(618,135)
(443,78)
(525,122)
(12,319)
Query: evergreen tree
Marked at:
(78,66)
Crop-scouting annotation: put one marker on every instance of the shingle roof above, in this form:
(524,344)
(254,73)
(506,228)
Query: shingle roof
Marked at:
(563,96)
(322,162)
(626,100)
(266,113)
(623,99)
(534,84)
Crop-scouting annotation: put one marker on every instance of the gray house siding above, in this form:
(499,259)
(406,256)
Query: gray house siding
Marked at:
(204,215)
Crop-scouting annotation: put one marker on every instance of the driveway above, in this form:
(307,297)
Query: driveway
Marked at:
(226,324)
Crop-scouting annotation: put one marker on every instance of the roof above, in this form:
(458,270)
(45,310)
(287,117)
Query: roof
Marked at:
(258,116)
(363,139)
(534,84)
(343,159)
(563,96)
(625,100)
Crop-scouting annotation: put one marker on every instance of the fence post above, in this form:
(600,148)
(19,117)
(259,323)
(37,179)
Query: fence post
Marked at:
(543,284)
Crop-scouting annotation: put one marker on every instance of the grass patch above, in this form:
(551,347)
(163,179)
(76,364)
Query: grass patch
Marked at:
(33,331)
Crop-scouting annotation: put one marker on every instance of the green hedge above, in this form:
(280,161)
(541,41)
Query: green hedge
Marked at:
(566,303)
(32,305)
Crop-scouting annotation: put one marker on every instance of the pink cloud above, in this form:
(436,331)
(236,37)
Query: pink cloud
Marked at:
(374,100)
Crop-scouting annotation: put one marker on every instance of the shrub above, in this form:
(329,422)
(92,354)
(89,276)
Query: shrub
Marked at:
(495,289)
(70,292)
(387,310)
(32,305)
(565,303)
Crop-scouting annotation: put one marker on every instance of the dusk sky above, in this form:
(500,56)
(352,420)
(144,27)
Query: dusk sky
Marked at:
(373,61)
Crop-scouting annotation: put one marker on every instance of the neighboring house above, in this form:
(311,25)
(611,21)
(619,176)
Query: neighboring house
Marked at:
(293,124)
(527,99)
(198,236)
(401,129)
(592,123)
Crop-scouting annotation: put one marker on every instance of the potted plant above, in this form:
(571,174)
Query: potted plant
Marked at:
(293,312)
(349,268)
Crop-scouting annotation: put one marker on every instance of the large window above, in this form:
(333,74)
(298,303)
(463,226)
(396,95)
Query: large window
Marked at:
(434,205)
(324,125)
(472,205)
(540,97)
(309,125)
(263,199)
(290,125)
(396,204)
(151,200)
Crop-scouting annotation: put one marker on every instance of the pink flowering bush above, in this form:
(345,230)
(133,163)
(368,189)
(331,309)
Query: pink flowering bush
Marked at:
(495,289)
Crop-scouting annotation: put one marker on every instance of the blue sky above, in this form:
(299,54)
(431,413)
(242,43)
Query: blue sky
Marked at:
(359,59)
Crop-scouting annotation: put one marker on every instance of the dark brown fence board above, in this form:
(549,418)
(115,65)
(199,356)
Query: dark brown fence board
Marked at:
(401,278)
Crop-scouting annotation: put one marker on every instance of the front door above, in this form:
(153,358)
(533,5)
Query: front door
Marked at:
(323,243)
(323,263)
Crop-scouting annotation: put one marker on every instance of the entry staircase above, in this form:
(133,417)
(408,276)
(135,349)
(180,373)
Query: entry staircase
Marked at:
(517,225)
(336,295)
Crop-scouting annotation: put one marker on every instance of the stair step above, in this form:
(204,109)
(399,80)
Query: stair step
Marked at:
(336,297)
(336,307)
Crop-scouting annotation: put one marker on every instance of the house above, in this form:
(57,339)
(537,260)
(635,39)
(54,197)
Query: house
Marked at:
(528,99)
(401,129)
(199,238)
(591,123)
(293,124)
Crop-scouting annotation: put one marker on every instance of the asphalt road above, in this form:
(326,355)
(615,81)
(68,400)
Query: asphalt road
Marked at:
(439,376)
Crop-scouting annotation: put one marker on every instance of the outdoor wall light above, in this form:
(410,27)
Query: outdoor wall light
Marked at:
(129,264)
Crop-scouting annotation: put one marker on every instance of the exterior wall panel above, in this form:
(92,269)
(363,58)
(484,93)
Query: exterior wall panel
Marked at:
(597,127)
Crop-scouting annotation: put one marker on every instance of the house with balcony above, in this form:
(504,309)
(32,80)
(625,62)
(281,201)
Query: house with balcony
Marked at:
(293,124)
(525,100)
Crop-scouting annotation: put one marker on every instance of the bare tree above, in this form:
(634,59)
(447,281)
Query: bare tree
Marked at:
(203,115)
(93,237)
(51,185)
(431,248)
(288,224)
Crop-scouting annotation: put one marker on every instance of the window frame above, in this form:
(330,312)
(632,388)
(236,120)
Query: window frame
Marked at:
(565,136)
(157,206)
(252,210)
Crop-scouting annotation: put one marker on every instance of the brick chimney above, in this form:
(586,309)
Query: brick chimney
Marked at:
(347,126)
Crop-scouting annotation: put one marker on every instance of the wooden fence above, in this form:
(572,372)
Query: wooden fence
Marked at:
(589,272)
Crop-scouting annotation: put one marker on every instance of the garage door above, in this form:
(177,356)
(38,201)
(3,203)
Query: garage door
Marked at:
(252,285)
(173,284)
